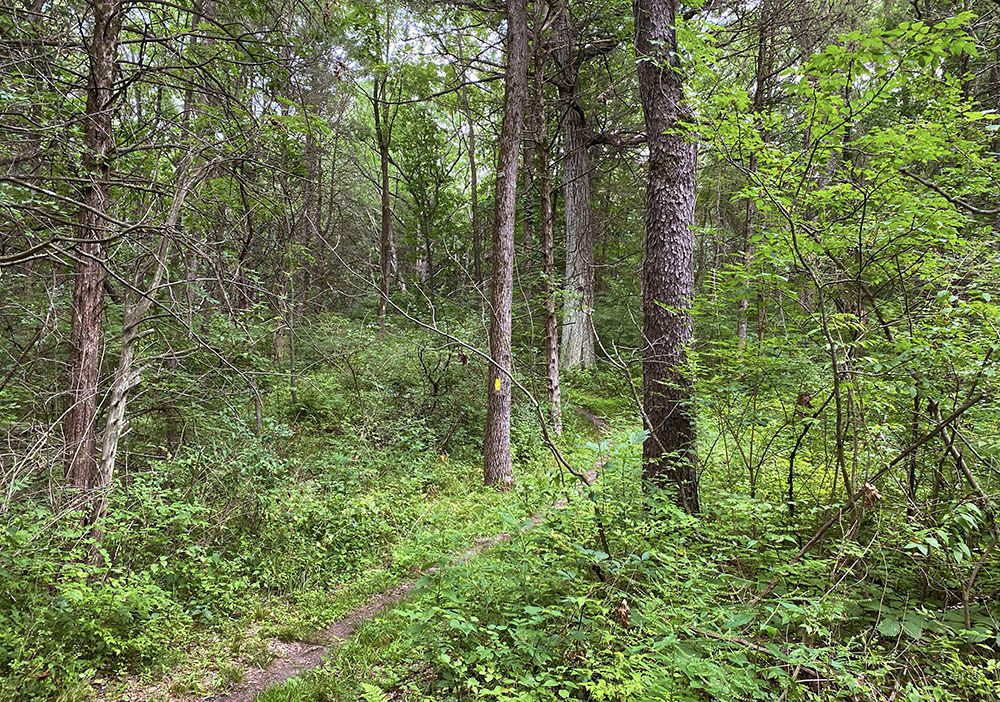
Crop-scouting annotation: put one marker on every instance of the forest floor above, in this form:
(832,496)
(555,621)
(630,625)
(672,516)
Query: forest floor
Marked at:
(299,657)
(277,659)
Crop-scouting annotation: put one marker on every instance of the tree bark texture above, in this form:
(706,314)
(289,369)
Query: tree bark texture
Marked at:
(541,139)
(578,329)
(383,138)
(497,467)
(79,426)
(127,376)
(669,453)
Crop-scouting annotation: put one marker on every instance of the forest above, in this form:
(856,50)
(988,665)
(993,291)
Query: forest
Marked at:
(399,350)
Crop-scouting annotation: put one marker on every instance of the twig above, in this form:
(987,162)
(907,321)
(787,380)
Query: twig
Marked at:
(950,198)
(754,646)
(836,516)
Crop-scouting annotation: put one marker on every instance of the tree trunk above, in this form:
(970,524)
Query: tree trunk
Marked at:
(548,245)
(763,67)
(195,102)
(994,90)
(85,334)
(578,331)
(425,229)
(528,218)
(497,468)
(126,375)
(382,137)
(290,326)
(669,454)
(477,256)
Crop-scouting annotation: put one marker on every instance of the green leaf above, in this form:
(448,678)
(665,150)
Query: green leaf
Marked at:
(889,626)
(738,621)
(913,625)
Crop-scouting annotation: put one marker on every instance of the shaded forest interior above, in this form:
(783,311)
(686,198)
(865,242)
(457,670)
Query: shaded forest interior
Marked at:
(495,349)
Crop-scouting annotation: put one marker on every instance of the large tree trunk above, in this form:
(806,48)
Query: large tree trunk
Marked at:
(85,334)
(578,330)
(497,468)
(541,138)
(669,453)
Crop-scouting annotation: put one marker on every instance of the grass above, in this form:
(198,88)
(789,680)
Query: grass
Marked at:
(672,616)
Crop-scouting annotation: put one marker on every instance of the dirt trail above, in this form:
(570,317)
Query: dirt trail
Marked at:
(294,658)
(297,657)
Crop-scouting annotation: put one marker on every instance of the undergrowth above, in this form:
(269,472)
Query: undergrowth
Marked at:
(370,474)
(668,614)
(355,485)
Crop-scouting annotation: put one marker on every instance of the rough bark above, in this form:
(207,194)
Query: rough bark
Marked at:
(497,467)
(541,149)
(578,330)
(528,216)
(669,453)
(79,427)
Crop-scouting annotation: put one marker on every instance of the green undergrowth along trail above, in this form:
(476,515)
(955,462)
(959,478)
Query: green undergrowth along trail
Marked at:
(263,270)
(296,555)
(238,538)
(669,613)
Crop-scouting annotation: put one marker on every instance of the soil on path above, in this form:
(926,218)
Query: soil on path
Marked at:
(296,657)
(293,658)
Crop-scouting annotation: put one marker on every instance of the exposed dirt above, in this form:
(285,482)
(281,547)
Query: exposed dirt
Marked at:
(300,657)
(293,658)
(600,425)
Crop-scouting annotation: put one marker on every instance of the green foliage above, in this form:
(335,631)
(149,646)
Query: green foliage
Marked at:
(845,223)
(354,478)
(542,618)
(603,393)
